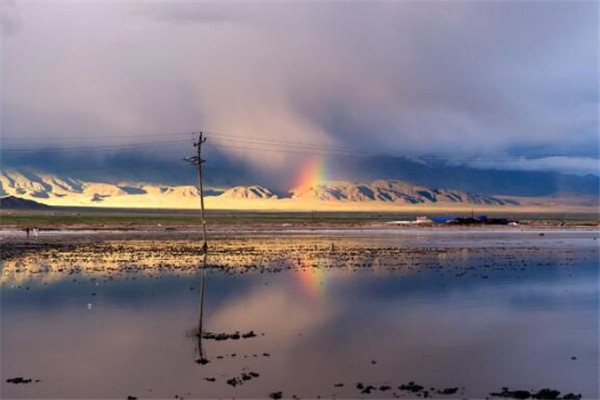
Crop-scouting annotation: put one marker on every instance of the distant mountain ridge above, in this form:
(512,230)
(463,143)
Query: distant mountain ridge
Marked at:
(63,191)
(249,192)
(391,191)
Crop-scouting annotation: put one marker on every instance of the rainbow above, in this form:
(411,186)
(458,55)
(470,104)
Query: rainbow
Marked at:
(312,173)
(313,280)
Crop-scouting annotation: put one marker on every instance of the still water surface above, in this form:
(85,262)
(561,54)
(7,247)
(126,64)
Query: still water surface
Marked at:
(475,311)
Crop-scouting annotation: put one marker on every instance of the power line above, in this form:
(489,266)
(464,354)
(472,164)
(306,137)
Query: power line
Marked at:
(96,148)
(368,153)
(122,136)
(105,168)
(229,141)
(221,137)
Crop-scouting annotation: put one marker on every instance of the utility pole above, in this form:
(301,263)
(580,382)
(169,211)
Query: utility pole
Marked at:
(198,161)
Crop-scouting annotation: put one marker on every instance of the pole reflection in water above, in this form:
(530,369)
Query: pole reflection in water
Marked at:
(200,350)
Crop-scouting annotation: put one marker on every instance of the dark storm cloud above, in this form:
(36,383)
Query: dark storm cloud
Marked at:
(444,77)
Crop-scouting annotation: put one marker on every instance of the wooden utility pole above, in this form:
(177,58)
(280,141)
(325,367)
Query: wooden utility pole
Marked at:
(198,161)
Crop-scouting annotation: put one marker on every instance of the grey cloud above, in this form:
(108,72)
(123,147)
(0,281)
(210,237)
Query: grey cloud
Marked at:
(485,75)
(440,77)
(569,165)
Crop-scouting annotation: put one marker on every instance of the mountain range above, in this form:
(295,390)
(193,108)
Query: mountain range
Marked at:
(223,171)
(56,190)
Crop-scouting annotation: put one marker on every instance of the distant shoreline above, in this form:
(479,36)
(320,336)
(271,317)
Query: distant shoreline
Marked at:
(216,232)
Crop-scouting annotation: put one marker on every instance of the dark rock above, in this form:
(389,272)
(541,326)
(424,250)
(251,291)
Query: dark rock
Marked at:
(234,382)
(512,394)
(19,380)
(448,391)
(202,361)
(546,394)
(339,385)
(368,389)
(276,395)
(411,387)
(227,336)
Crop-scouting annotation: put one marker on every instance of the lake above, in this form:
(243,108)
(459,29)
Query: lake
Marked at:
(329,314)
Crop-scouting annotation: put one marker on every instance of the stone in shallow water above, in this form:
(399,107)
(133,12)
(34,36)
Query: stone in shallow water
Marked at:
(512,394)
(448,391)
(20,380)
(411,387)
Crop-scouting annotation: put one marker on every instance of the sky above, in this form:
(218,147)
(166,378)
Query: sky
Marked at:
(494,84)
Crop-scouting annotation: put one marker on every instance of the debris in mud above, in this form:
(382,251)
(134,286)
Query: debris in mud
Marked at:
(210,379)
(20,380)
(411,387)
(202,361)
(384,388)
(338,385)
(275,395)
(226,336)
(131,397)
